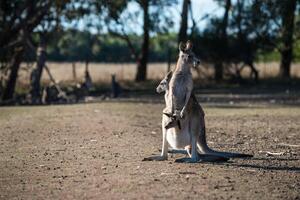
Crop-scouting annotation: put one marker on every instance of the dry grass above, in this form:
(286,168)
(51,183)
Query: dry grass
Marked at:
(101,73)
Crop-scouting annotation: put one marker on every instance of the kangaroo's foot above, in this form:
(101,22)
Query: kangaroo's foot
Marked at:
(202,158)
(155,158)
(187,160)
(212,158)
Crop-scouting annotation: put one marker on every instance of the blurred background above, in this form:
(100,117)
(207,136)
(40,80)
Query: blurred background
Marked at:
(65,51)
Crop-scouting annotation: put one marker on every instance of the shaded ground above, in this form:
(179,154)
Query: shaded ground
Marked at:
(94,151)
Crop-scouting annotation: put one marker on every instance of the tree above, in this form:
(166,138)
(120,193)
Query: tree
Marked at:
(35,77)
(276,19)
(242,48)
(215,40)
(47,28)
(18,20)
(223,40)
(13,65)
(151,23)
(288,16)
(143,58)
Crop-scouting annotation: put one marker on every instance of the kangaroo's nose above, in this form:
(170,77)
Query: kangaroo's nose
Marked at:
(158,90)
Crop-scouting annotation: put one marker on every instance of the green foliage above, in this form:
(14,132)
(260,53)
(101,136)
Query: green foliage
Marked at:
(297,51)
(74,45)
(263,56)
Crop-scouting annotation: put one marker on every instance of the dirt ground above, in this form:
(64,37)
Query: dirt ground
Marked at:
(95,151)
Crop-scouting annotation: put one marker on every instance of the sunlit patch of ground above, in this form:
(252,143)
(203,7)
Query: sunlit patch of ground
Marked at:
(95,151)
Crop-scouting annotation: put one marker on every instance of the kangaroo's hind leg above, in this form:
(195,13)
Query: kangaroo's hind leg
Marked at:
(164,150)
(193,131)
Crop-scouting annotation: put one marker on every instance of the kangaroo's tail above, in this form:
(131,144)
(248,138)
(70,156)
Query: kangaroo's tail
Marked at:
(204,148)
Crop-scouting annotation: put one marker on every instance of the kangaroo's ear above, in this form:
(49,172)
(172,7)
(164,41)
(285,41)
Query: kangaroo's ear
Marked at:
(169,75)
(181,46)
(189,45)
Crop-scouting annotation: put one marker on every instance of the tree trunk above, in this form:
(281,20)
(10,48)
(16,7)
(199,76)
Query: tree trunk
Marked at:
(143,59)
(225,20)
(218,71)
(223,39)
(88,83)
(74,71)
(288,16)
(12,79)
(36,73)
(182,35)
(246,52)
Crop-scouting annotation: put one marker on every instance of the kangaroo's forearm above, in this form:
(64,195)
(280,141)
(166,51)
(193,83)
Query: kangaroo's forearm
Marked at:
(187,98)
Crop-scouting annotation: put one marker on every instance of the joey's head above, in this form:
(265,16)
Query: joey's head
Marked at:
(186,54)
(164,84)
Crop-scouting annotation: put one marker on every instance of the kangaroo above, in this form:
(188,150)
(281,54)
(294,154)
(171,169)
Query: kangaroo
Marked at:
(181,85)
(116,89)
(192,135)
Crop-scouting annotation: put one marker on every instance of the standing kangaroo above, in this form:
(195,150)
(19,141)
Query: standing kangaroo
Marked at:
(181,85)
(192,135)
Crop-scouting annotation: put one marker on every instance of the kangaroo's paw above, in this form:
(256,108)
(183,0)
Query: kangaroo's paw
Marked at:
(167,111)
(155,158)
(182,113)
(171,123)
(176,113)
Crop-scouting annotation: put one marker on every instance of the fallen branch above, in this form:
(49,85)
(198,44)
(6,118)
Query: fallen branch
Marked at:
(61,93)
(288,145)
(268,153)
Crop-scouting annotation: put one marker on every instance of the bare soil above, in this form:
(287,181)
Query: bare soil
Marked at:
(95,151)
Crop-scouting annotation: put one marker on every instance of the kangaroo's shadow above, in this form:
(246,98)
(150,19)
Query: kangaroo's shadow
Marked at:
(265,166)
(275,158)
(253,166)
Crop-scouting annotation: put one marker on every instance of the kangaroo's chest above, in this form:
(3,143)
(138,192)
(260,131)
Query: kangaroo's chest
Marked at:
(179,85)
